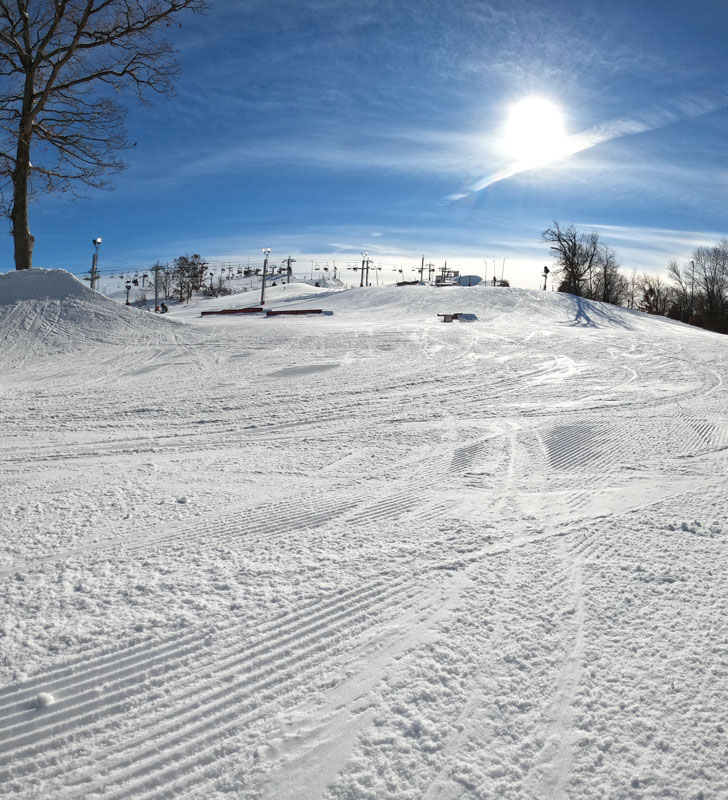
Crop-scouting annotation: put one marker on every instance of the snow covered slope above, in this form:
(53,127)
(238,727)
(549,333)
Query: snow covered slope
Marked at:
(49,311)
(367,555)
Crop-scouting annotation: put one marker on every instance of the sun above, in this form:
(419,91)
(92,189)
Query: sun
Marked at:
(535,132)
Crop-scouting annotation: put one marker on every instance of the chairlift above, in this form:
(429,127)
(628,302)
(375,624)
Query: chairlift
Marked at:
(240,271)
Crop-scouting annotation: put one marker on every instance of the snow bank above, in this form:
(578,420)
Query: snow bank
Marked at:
(424,302)
(46,311)
(42,284)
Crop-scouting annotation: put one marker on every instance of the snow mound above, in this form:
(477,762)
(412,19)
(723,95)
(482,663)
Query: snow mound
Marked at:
(424,302)
(44,699)
(47,311)
(42,284)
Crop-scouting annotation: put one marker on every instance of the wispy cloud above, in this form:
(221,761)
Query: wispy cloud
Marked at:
(649,120)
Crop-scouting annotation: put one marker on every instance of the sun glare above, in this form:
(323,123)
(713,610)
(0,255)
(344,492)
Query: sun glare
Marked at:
(535,132)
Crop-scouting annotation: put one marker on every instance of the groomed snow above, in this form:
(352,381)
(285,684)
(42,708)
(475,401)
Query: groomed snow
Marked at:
(364,555)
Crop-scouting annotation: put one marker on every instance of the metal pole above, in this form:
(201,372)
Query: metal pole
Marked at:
(95,262)
(266,253)
(363,258)
(156,269)
(422,270)
(692,285)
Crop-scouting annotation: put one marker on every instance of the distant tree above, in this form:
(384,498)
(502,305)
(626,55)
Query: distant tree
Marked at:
(633,289)
(656,295)
(700,288)
(56,59)
(220,287)
(609,285)
(680,305)
(576,255)
(711,280)
(188,275)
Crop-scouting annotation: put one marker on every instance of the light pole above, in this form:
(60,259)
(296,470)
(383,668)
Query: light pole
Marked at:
(266,253)
(545,274)
(692,286)
(156,269)
(95,262)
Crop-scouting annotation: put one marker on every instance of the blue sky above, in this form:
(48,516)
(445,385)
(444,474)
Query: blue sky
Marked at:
(325,128)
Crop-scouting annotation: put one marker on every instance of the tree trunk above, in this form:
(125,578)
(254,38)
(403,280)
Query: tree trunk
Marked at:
(22,237)
(23,240)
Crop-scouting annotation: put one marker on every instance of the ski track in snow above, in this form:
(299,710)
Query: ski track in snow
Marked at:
(366,555)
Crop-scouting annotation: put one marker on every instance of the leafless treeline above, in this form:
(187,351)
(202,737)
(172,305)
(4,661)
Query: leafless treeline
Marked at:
(695,292)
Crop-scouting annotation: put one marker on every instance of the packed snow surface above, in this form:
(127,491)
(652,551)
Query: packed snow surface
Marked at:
(365,555)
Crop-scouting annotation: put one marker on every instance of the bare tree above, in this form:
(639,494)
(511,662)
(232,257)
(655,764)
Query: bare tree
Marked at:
(656,295)
(700,288)
(711,282)
(188,275)
(633,289)
(56,59)
(577,255)
(609,284)
(681,291)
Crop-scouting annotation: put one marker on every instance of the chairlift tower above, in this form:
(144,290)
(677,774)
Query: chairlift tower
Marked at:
(289,271)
